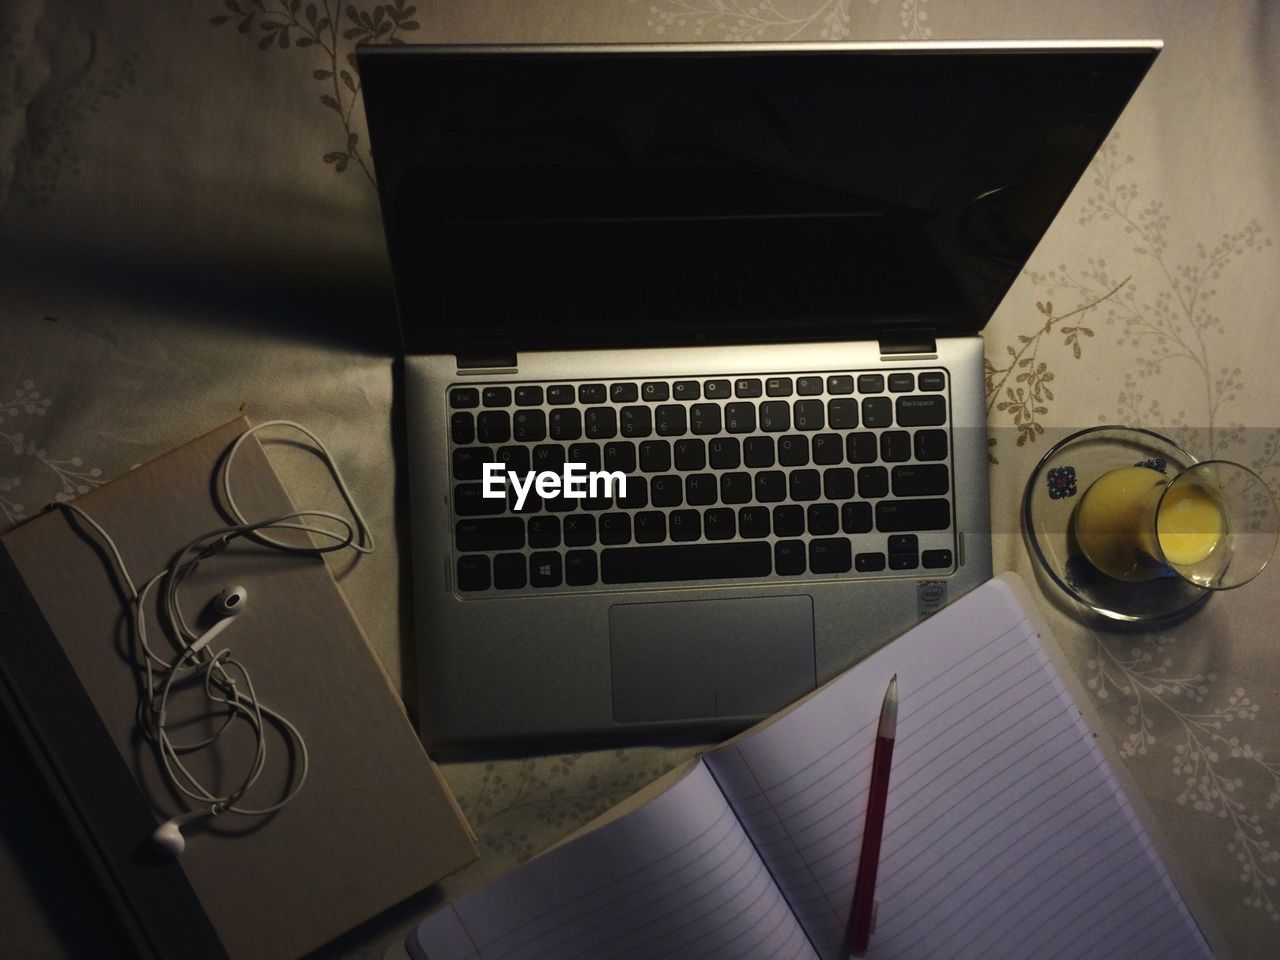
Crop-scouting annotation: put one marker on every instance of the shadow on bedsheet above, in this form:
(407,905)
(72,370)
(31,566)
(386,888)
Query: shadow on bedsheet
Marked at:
(345,305)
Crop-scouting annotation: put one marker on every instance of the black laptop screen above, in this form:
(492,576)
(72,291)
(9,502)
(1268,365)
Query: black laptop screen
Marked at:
(596,197)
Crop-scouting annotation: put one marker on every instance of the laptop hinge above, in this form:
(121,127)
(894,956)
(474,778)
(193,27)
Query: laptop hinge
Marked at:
(910,340)
(474,355)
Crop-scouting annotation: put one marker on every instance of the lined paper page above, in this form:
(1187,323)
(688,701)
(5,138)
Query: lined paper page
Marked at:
(1005,836)
(676,877)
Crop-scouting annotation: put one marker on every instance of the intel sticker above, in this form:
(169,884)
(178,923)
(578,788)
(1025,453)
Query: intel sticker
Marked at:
(931,596)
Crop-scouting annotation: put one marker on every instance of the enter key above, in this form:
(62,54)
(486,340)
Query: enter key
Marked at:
(920,480)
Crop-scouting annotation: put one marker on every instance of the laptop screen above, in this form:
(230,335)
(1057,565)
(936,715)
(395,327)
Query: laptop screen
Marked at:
(599,196)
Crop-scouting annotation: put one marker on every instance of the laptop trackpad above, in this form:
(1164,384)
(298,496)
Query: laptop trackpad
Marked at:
(710,658)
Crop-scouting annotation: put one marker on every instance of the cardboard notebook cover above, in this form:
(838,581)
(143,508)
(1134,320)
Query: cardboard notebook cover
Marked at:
(374,823)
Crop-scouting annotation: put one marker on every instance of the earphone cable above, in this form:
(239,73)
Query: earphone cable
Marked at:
(221,688)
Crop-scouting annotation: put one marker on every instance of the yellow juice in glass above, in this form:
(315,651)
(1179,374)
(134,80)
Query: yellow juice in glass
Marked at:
(1189,525)
(1117,526)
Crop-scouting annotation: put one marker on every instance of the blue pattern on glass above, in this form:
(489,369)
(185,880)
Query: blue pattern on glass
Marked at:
(1080,572)
(1155,463)
(1062,483)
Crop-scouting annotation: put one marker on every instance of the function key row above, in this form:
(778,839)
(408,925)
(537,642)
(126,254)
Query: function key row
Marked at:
(658,391)
(674,420)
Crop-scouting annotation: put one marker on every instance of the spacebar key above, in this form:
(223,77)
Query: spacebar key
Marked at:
(699,561)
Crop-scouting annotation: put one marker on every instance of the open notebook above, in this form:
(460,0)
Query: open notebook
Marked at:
(1007,832)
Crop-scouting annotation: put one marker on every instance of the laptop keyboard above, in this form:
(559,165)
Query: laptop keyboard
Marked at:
(773,478)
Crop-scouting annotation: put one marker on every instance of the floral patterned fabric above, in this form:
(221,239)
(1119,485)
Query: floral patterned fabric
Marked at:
(188,224)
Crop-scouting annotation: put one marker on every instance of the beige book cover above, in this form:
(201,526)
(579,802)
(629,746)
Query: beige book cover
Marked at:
(375,822)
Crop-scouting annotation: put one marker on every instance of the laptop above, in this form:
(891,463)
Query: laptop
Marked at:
(693,373)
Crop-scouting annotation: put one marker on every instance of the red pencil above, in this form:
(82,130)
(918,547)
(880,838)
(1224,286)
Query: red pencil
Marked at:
(864,889)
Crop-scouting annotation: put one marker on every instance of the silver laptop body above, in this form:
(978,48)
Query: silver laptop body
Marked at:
(748,278)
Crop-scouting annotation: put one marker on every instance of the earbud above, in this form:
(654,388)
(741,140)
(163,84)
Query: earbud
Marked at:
(168,836)
(226,604)
(160,674)
(230,600)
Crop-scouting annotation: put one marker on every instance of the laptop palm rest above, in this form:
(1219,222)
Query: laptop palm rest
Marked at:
(710,658)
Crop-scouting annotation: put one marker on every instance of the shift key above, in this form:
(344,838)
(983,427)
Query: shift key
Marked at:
(505,533)
(899,516)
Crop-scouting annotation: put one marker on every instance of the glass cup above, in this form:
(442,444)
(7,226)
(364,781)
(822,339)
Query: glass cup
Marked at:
(1214,524)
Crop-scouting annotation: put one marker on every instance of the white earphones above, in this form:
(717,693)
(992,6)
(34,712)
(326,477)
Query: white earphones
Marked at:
(227,684)
(226,604)
(229,601)
(168,836)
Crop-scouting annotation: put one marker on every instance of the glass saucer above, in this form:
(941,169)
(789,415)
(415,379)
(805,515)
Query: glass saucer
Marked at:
(1053,492)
